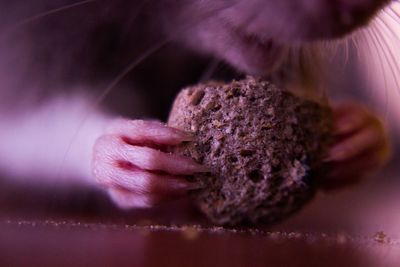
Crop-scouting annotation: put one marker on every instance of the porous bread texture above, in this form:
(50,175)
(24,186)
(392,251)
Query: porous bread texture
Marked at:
(261,144)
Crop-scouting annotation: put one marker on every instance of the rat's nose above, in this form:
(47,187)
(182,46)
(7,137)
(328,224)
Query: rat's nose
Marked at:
(351,12)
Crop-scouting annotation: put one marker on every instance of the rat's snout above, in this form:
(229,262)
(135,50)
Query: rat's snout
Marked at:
(254,35)
(325,19)
(358,7)
(349,12)
(354,13)
(302,20)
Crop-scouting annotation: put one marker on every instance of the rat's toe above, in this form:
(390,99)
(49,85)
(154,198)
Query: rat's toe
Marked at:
(143,132)
(125,199)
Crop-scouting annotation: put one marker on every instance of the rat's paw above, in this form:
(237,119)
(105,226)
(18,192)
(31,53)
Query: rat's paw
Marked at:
(361,146)
(131,162)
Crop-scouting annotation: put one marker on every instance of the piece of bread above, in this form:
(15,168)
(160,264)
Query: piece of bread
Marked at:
(261,144)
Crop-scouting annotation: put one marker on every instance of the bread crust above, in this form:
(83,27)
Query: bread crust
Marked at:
(261,144)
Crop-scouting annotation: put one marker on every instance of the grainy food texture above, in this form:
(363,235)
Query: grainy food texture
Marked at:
(261,144)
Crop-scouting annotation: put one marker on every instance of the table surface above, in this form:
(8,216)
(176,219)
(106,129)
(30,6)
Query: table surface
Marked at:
(354,227)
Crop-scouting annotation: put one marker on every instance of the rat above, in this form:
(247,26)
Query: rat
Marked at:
(75,75)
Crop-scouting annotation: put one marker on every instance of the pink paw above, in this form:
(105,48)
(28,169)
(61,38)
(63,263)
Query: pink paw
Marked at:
(131,162)
(361,146)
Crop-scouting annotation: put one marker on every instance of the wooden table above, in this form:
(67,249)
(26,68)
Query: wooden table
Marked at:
(359,227)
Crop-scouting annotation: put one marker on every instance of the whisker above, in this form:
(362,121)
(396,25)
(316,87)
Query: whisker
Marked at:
(363,55)
(325,56)
(331,48)
(286,71)
(346,52)
(48,13)
(317,65)
(209,70)
(394,12)
(370,59)
(128,69)
(387,27)
(356,45)
(108,89)
(153,49)
(391,58)
(335,49)
(304,62)
(376,43)
(392,15)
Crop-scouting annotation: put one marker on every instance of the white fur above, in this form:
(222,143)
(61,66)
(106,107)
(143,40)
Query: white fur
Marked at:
(53,143)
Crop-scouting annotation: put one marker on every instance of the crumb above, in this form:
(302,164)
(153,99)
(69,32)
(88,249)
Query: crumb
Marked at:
(381,237)
(190,233)
(341,238)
